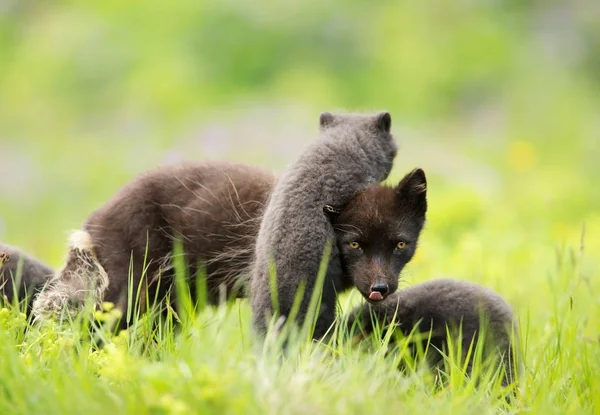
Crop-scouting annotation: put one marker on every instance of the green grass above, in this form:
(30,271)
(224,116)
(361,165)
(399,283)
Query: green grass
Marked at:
(497,101)
(210,362)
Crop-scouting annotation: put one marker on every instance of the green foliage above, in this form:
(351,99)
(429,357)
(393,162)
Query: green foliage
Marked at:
(497,101)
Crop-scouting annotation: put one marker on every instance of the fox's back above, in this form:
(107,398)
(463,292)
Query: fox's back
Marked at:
(213,208)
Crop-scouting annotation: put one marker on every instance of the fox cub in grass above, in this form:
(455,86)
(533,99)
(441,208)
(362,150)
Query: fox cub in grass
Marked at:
(443,310)
(21,274)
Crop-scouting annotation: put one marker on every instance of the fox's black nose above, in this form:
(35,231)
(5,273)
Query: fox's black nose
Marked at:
(380,288)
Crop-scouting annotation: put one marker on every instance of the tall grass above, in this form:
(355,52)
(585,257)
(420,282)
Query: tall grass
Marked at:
(207,360)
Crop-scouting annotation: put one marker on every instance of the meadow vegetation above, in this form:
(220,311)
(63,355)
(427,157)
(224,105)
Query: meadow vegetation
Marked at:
(497,101)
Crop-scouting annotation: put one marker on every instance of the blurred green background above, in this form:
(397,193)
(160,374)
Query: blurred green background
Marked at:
(499,101)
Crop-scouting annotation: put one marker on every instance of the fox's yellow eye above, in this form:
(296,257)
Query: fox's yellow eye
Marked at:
(354,245)
(401,245)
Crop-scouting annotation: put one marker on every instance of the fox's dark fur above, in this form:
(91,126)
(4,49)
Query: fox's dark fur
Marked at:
(436,305)
(352,152)
(213,208)
(28,282)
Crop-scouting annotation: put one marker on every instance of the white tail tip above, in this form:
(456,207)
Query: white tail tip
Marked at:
(81,240)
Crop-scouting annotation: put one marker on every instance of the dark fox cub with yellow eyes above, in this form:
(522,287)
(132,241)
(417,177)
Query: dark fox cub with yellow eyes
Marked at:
(377,233)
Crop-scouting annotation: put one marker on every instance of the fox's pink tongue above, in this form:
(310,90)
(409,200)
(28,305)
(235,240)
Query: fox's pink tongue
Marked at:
(375,296)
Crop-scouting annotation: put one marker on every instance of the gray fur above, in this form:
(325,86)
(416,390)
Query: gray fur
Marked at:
(352,152)
(458,305)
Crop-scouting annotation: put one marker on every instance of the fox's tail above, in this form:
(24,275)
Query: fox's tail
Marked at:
(82,276)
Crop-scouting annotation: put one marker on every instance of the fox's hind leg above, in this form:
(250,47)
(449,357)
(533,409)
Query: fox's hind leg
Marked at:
(81,277)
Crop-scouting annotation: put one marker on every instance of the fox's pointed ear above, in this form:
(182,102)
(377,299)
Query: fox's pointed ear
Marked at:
(412,190)
(384,121)
(326,120)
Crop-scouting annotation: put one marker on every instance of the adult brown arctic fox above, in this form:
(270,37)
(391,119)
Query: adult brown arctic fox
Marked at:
(213,208)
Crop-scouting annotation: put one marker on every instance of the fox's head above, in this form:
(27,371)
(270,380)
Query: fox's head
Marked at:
(377,233)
